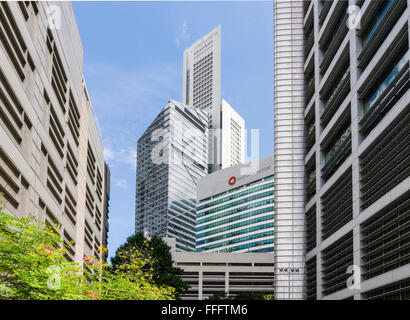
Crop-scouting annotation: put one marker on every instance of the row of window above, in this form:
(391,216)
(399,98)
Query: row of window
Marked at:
(236,195)
(239,240)
(236,210)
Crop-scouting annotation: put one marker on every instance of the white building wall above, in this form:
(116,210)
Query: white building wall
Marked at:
(233,136)
(289,150)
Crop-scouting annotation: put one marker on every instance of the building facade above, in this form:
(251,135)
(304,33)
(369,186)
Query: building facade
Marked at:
(233,136)
(51,157)
(235,209)
(233,273)
(289,150)
(201,88)
(357,157)
(356,100)
(171,158)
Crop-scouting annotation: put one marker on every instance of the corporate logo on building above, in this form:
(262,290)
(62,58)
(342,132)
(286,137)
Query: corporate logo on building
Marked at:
(232,181)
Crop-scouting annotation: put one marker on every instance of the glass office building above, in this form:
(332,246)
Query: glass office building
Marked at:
(172,156)
(235,211)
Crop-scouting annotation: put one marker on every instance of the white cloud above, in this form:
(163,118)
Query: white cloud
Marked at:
(121,183)
(108,154)
(183,34)
(126,156)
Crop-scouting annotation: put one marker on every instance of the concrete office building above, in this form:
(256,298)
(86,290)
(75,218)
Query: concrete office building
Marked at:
(51,157)
(171,158)
(201,88)
(231,273)
(357,157)
(235,209)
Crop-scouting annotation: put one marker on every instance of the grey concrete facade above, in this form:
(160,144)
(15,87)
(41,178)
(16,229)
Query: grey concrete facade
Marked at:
(369,52)
(51,157)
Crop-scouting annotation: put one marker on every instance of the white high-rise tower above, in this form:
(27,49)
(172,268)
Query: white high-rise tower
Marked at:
(201,88)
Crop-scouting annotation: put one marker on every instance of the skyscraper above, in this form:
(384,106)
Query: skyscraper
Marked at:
(201,88)
(201,84)
(172,156)
(51,158)
(355,108)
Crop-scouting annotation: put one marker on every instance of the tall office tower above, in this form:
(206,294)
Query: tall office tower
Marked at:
(51,157)
(172,156)
(201,88)
(232,136)
(235,209)
(289,150)
(357,157)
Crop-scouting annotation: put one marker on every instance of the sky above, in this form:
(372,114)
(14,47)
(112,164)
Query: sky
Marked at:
(133,66)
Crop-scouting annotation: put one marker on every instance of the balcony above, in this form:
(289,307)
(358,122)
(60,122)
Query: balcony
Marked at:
(386,162)
(306,5)
(336,97)
(334,44)
(326,5)
(311,228)
(309,43)
(386,95)
(338,153)
(376,32)
(310,90)
(337,205)
(311,188)
(380,17)
(310,138)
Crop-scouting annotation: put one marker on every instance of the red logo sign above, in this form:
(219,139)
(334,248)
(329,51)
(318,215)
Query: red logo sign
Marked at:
(232,181)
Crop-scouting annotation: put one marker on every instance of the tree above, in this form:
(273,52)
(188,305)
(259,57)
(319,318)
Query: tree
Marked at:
(33,267)
(164,272)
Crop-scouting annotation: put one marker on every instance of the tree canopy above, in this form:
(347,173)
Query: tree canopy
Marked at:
(33,266)
(164,272)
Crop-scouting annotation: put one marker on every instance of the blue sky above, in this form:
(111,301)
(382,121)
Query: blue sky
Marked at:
(133,66)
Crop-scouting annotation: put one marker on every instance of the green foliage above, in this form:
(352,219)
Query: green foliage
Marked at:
(33,267)
(164,273)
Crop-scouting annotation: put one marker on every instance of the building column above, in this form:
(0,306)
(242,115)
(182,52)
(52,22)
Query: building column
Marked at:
(289,151)
(356,139)
(318,130)
(200,281)
(227,281)
(408,23)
